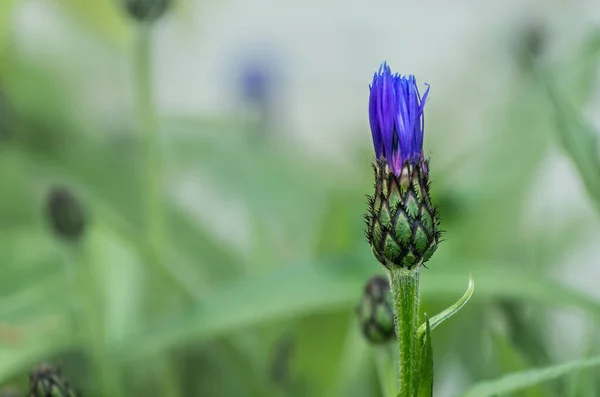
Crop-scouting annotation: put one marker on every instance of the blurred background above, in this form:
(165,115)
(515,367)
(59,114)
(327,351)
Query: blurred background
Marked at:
(209,168)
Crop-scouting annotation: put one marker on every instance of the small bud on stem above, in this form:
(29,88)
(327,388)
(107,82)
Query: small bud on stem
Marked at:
(375,311)
(47,381)
(65,214)
(146,10)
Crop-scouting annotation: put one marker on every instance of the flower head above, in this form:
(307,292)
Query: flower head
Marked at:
(396,118)
(403,224)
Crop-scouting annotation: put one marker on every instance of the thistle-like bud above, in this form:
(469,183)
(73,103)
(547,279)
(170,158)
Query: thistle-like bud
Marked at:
(403,226)
(146,10)
(47,381)
(65,214)
(375,313)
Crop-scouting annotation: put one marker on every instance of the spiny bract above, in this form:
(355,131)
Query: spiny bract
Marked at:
(402,224)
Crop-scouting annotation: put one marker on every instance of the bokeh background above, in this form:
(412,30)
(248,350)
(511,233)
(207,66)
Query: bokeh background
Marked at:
(223,252)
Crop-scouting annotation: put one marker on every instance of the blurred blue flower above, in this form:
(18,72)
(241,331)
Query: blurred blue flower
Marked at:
(256,83)
(396,117)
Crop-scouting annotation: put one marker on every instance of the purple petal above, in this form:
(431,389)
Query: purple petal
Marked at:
(396,117)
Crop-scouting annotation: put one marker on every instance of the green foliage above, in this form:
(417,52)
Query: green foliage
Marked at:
(272,316)
(439,318)
(522,380)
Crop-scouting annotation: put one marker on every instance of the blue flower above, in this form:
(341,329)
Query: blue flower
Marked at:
(396,117)
(255,83)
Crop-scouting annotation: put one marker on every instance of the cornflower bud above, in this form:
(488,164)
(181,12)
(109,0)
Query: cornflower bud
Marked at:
(47,381)
(65,214)
(146,10)
(375,313)
(403,226)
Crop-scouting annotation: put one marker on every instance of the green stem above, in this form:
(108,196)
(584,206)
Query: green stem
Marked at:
(405,291)
(148,124)
(90,319)
(153,194)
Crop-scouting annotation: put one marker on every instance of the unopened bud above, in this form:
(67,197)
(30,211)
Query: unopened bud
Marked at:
(375,313)
(65,214)
(146,10)
(47,381)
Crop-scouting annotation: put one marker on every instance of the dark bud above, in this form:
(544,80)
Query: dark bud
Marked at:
(10,392)
(146,10)
(531,43)
(375,312)
(47,381)
(65,214)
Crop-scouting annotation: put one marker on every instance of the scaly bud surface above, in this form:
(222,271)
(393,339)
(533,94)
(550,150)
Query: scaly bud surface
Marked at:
(403,226)
(47,381)
(375,312)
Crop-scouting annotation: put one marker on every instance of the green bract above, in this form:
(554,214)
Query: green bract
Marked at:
(403,226)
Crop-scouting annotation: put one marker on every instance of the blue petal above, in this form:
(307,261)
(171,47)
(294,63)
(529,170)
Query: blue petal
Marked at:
(375,127)
(396,117)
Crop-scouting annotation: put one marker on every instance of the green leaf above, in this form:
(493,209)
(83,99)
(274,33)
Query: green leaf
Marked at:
(426,363)
(579,73)
(281,293)
(511,359)
(449,312)
(303,289)
(578,138)
(521,380)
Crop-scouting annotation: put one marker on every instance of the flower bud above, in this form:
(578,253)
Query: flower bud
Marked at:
(47,381)
(375,313)
(403,226)
(146,10)
(65,214)
(531,42)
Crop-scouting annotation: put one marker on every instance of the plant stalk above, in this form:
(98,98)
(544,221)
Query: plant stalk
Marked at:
(90,318)
(148,124)
(405,291)
(153,186)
